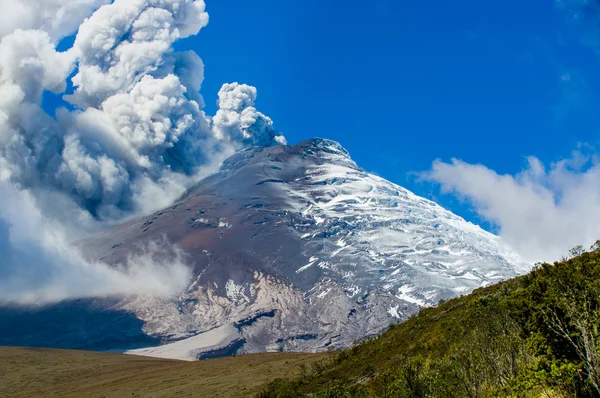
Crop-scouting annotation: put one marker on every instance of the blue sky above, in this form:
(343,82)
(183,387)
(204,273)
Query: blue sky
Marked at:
(402,83)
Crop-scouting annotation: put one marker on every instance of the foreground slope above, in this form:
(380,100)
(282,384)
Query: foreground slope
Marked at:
(292,248)
(533,336)
(30,372)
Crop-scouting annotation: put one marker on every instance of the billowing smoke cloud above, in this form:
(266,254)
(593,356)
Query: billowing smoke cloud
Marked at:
(540,212)
(238,119)
(135,135)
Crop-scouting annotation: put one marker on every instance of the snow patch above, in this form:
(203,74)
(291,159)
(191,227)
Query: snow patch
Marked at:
(189,349)
(235,292)
(304,268)
(224,224)
(393,311)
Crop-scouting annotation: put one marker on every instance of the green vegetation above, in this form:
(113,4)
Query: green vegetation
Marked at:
(533,336)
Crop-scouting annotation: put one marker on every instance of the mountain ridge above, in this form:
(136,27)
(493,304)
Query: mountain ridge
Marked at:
(296,248)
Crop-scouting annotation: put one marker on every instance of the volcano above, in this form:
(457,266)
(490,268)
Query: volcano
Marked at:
(294,248)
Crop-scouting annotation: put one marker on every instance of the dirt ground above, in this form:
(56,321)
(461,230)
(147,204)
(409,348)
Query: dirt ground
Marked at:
(35,372)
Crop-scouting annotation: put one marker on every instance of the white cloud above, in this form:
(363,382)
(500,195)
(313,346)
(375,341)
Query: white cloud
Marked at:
(58,18)
(541,212)
(38,264)
(29,61)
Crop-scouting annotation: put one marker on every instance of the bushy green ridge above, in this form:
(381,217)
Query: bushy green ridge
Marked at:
(533,336)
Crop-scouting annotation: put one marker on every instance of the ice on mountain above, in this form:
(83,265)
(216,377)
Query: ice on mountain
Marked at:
(314,247)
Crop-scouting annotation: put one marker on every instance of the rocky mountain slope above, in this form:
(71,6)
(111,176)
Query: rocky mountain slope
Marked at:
(297,248)
(532,336)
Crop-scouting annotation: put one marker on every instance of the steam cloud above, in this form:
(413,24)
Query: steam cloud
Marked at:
(135,131)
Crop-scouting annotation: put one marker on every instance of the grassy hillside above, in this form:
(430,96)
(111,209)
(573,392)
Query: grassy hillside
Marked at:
(534,336)
(33,372)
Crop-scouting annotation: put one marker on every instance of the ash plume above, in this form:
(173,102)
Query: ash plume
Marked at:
(132,135)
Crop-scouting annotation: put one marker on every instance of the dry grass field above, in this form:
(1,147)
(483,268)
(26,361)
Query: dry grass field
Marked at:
(34,372)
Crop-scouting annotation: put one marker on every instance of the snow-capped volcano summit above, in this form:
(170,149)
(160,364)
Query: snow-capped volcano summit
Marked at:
(298,248)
